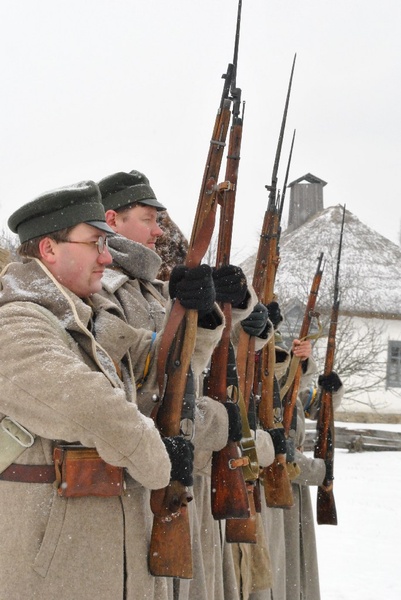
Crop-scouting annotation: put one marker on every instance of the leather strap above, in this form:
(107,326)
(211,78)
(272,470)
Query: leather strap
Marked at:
(29,473)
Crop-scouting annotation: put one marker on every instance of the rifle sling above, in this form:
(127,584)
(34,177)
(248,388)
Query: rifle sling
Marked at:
(153,291)
(291,376)
(295,362)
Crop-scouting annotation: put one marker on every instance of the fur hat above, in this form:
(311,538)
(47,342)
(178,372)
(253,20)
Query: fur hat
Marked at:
(60,208)
(123,189)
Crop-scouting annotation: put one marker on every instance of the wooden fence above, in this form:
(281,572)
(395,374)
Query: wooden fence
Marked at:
(358,440)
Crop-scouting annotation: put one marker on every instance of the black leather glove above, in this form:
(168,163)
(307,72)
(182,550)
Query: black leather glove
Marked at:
(257,322)
(194,288)
(234,421)
(181,453)
(230,284)
(330,382)
(279,440)
(275,315)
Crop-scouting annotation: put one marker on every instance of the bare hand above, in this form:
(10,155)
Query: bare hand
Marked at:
(302,349)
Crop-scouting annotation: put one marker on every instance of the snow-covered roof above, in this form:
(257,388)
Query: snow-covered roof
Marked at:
(370,268)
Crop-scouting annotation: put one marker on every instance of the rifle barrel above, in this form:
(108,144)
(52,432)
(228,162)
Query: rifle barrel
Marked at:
(273,185)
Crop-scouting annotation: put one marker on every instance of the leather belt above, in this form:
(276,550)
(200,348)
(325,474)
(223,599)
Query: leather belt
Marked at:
(29,473)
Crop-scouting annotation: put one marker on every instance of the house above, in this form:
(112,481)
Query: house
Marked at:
(368,342)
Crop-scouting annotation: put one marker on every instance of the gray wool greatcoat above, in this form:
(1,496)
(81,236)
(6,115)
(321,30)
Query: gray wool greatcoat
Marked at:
(273,518)
(131,283)
(58,382)
(290,533)
(302,574)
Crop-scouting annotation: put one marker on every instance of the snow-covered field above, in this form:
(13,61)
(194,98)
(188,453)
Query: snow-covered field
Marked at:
(359,559)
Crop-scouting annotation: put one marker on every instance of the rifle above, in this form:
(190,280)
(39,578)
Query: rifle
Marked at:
(170,553)
(277,485)
(257,379)
(229,497)
(244,530)
(326,513)
(289,391)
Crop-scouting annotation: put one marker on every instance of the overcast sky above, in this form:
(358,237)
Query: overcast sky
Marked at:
(91,87)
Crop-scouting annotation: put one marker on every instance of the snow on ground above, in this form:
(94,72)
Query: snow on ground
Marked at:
(359,558)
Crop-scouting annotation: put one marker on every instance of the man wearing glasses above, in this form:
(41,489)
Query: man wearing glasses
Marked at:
(77,457)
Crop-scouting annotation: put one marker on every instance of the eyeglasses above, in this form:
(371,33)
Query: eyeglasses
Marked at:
(102,243)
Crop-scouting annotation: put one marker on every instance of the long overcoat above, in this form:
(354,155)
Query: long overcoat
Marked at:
(302,573)
(274,518)
(58,382)
(131,283)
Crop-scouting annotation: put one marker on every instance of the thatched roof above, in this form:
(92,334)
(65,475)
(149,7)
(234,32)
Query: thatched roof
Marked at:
(370,269)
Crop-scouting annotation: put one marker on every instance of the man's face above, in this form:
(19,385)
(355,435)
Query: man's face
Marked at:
(79,266)
(138,224)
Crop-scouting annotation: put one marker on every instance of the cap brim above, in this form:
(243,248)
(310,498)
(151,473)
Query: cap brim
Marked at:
(152,202)
(102,225)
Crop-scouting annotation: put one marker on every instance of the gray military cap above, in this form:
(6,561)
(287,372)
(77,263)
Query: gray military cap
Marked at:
(60,208)
(123,189)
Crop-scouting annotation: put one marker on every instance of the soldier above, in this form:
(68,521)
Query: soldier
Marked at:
(290,532)
(77,456)
(131,210)
(302,575)
(262,565)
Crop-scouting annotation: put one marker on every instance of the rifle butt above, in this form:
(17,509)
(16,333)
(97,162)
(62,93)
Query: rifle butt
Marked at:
(229,496)
(170,553)
(277,484)
(243,531)
(326,512)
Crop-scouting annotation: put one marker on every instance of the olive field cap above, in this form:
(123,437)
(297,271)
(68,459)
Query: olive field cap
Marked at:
(58,209)
(123,189)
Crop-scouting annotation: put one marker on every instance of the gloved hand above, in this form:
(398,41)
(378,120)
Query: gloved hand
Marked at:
(234,421)
(194,288)
(257,322)
(230,284)
(181,453)
(330,382)
(275,315)
(279,440)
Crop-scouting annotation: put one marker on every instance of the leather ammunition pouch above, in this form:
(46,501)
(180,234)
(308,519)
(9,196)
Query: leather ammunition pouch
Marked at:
(81,472)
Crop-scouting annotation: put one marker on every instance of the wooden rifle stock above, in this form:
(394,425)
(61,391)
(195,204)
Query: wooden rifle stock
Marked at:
(290,390)
(229,497)
(326,512)
(276,483)
(170,553)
